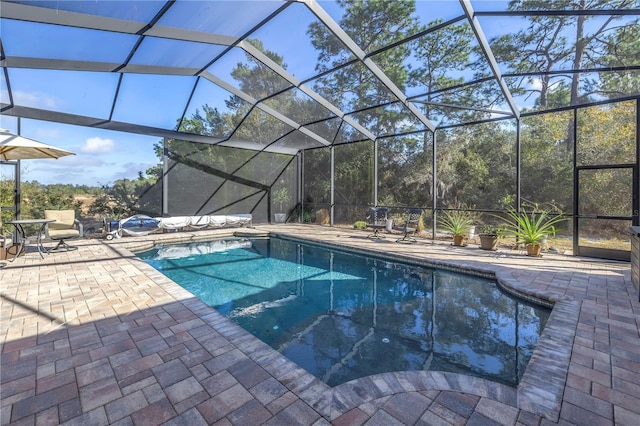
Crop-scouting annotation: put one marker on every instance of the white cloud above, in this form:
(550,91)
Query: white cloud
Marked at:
(35,99)
(80,161)
(76,170)
(98,146)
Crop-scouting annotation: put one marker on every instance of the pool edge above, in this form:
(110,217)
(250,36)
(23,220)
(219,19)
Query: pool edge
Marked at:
(538,392)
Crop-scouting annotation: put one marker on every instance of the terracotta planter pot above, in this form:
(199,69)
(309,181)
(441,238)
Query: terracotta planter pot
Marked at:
(534,250)
(488,242)
(458,240)
(9,252)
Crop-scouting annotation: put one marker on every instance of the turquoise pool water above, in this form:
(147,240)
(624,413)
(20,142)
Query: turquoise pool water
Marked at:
(343,316)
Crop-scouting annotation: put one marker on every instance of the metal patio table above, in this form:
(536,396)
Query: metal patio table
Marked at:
(23,240)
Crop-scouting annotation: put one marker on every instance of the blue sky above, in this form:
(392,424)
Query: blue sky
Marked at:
(104,156)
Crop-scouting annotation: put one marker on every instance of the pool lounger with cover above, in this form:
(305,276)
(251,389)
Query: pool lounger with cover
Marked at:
(139,224)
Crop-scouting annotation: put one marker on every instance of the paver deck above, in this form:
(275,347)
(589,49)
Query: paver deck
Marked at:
(96,336)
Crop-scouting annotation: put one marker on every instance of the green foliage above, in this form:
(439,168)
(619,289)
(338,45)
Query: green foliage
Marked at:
(437,65)
(405,170)
(354,176)
(623,48)
(281,197)
(6,197)
(360,225)
(458,222)
(532,227)
(373,25)
(550,42)
(489,230)
(125,198)
(36,198)
(306,217)
(317,165)
(546,165)
(476,163)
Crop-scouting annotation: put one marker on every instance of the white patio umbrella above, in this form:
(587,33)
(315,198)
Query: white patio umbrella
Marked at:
(14,147)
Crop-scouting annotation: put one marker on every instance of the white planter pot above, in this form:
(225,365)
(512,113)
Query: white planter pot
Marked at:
(279,217)
(472,232)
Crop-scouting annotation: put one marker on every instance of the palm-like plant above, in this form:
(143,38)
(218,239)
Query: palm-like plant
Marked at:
(458,222)
(533,227)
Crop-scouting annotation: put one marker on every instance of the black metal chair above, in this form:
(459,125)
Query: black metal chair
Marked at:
(377,220)
(410,226)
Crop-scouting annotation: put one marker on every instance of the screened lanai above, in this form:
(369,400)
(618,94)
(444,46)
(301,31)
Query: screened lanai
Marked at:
(293,107)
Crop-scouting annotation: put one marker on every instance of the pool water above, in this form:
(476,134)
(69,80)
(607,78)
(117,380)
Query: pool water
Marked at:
(342,316)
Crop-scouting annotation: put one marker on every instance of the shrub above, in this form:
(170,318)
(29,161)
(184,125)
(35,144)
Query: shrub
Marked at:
(533,227)
(457,222)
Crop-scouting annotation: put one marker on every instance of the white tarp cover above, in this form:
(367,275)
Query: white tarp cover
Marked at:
(238,219)
(176,222)
(217,220)
(199,221)
(214,221)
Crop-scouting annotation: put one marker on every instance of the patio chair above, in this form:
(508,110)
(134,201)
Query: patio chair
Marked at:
(377,220)
(410,226)
(65,227)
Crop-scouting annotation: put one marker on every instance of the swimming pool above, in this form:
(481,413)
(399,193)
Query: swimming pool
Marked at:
(342,315)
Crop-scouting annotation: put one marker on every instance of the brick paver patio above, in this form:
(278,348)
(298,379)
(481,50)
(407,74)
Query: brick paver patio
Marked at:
(96,336)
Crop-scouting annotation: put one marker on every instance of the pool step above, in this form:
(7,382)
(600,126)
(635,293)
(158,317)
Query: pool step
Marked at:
(248,233)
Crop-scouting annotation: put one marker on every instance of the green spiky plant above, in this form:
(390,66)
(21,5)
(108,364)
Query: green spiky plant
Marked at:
(531,228)
(458,222)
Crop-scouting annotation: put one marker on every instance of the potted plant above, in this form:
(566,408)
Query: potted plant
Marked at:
(458,222)
(489,235)
(281,197)
(532,228)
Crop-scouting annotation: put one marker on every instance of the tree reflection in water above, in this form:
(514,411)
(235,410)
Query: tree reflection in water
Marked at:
(342,316)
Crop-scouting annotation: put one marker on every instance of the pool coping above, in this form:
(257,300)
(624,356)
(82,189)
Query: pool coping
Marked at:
(540,390)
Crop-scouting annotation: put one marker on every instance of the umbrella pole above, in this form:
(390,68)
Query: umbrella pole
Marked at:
(17,196)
